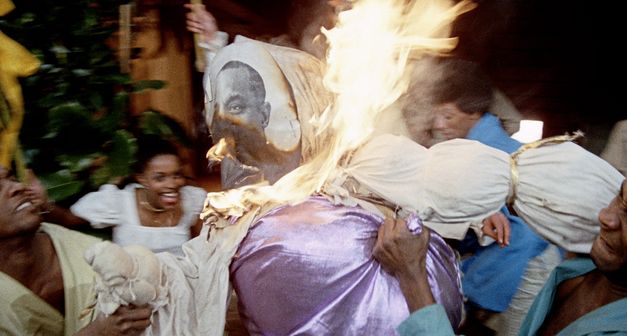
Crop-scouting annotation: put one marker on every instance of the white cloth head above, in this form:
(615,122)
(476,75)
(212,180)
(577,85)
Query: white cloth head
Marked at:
(294,89)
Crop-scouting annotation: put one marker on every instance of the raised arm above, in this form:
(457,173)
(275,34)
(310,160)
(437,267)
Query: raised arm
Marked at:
(200,21)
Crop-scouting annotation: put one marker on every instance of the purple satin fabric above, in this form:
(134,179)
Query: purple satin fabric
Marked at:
(308,270)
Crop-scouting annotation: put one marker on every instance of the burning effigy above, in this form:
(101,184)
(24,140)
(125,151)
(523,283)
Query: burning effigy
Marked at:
(312,176)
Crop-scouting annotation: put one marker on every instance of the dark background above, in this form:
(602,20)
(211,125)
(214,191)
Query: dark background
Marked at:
(558,61)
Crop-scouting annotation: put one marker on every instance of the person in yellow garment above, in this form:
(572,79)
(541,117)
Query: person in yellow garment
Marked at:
(15,61)
(46,286)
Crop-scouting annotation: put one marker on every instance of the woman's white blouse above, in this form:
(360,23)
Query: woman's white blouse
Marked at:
(110,206)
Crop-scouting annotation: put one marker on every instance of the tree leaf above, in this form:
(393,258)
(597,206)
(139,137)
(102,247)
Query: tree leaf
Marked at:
(157,123)
(75,163)
(61,185)
(122,154)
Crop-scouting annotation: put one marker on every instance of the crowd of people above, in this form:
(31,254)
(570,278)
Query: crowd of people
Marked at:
(346,260)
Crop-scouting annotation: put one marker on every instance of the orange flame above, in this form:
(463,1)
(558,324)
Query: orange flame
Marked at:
(369,49)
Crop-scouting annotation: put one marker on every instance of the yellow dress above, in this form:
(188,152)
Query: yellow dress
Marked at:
(25,313)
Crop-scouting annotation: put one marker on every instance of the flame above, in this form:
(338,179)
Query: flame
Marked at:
(218,151)
(369,50)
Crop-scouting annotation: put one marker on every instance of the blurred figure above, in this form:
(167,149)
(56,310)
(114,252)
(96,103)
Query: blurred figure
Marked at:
(305,19)
(502,280)
(415,107)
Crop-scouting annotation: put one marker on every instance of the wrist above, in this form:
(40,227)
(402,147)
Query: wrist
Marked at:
(47,207)
(413,279)
(415,288)
(413,271)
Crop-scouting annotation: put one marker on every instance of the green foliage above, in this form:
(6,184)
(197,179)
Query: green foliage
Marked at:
(78,132)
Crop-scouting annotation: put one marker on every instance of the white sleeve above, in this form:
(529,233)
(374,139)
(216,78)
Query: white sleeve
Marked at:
(193,199)
(101,208)
(220,39)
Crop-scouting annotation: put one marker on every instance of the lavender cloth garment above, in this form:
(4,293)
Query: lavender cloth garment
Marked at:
(308,270)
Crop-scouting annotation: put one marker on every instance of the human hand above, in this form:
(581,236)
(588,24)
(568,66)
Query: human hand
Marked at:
(200,21)
(36,191)
(126,320)
(497,227)
(404,254)
(398,250)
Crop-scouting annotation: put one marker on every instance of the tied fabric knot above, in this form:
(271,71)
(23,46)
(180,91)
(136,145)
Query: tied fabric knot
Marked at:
(513,161)
(126,275)
(340,189)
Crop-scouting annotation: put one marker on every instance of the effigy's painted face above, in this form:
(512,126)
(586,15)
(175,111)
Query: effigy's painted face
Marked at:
(242,115)
(609,250)
(241,97)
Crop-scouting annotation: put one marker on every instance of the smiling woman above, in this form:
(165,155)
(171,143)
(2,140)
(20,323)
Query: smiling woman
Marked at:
(159,210)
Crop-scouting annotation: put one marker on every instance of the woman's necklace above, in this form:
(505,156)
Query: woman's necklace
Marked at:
(167,222)
(144,202)
(154,215)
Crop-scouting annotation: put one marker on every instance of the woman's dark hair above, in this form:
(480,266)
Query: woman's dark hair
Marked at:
(149,146)
(463,83)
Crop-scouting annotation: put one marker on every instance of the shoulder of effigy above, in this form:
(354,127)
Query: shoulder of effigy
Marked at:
(318,209)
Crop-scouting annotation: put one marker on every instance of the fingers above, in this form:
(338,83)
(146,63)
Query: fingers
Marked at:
(506,231)
(195,8)
(499,232)
(502,228)
(200,21)
(194,27)
(199,13)
(381,238)
(425,235)
(30,176)
(497,227)
(133,312)
(488,228)
(130,318)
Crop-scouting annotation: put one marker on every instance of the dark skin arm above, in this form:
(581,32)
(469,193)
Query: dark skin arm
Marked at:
(126,320)
(52,213)
(196,228)
(404,255)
